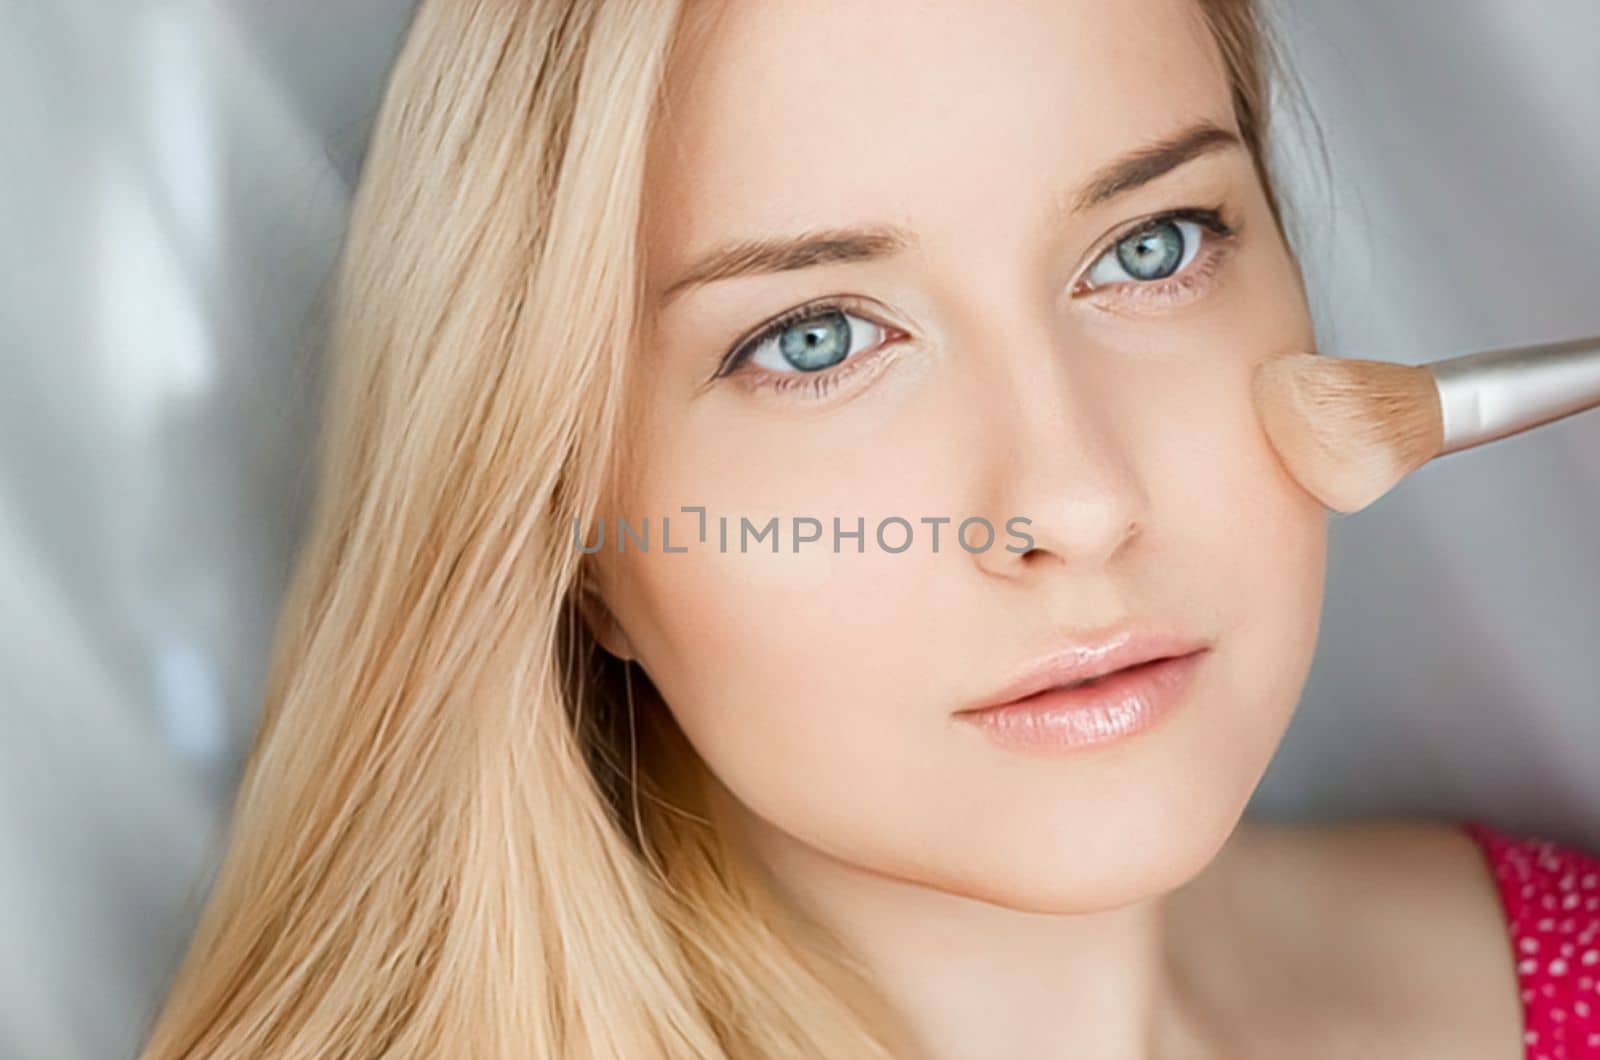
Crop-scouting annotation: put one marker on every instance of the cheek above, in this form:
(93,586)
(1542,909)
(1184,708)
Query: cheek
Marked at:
(773,664)
(1258,537)
(1264,537)
(1225,490)
(1265,541)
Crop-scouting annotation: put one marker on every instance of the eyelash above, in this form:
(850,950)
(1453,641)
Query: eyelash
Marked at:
(818,385)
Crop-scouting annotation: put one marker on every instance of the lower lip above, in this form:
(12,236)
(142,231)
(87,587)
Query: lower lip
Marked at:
(1113,708)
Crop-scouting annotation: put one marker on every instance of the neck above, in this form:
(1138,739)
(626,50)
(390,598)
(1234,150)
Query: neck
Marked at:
(974,979)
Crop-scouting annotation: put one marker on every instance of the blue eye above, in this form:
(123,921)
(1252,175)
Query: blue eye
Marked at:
(1153,253)
(812,340)
(1157,250)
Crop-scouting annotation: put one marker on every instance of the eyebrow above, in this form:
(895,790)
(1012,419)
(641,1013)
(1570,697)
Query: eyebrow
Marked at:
(828,246)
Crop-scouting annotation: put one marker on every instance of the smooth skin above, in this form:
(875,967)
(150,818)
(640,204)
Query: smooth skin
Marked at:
(1112,901)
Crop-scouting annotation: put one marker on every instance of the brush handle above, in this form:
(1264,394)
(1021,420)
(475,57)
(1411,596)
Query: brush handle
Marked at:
(1491,395)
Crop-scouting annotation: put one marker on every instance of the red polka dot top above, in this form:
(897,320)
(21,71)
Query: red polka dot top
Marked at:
(1551,897)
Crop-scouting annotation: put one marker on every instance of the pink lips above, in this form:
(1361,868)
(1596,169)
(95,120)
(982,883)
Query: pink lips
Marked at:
(1091,693)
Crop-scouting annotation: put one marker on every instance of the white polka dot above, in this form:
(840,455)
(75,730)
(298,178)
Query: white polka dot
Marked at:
(1552,929)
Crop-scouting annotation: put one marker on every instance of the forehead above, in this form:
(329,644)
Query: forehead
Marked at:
(788,113)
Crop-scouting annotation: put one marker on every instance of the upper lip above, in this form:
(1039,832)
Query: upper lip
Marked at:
(1082,659)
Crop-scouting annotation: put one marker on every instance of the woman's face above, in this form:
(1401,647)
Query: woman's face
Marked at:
(1006,343)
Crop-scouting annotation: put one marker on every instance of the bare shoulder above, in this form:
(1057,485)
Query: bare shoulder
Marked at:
(1398,917)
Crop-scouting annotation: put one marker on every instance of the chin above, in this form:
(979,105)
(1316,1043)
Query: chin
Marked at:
(1093,861)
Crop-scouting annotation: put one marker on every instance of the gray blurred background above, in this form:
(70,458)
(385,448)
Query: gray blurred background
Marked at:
(176,178)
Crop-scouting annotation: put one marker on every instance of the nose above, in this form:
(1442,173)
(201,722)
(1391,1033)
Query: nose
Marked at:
(1058,461)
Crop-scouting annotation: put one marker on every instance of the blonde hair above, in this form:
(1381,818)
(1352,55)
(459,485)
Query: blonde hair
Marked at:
(450,840)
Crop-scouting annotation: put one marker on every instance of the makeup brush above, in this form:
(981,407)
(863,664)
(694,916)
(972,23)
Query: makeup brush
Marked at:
(1349,430)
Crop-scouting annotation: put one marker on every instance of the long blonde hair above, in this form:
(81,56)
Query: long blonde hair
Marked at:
(451,839)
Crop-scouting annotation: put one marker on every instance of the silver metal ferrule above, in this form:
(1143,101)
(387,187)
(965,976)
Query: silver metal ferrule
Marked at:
(1490,395)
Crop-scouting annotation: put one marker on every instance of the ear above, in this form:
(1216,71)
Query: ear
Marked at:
(602,624)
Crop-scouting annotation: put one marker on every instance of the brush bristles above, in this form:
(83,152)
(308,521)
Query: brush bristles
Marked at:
(1348,430)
